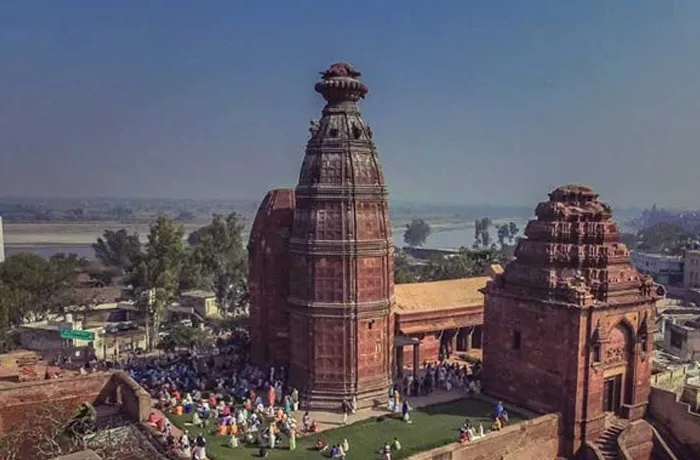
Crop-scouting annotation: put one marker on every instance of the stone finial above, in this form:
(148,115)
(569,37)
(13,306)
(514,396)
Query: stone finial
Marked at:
(341,83)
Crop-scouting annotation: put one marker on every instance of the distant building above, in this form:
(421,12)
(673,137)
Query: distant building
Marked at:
(691,269)
(202,303)
(115,328)
(2,243)
(681,329)
(665,269)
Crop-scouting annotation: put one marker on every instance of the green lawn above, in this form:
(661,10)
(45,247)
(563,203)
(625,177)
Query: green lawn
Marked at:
(432,426)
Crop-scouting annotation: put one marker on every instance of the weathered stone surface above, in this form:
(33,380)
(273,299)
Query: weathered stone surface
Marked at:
(568,313)
(341,256)
(268,278)
(532,439)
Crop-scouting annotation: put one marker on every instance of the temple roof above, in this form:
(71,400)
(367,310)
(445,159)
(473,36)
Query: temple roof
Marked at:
(439,295)
(572,254)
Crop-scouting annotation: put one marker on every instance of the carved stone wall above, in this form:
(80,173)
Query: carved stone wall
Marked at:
(268,278)
(341,256)
(568,313)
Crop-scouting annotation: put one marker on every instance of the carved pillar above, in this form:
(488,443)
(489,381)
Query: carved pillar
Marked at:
(399,361)
(416,359)
(469,338)
(453,342)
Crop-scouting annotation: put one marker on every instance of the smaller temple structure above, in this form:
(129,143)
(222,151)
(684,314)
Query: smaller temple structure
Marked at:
(568,326)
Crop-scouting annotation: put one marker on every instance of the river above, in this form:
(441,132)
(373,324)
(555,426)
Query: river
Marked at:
(447,236)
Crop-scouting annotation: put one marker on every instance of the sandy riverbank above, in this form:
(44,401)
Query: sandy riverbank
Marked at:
(78,233)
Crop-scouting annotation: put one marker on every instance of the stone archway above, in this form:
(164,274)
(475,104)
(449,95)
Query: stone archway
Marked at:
(618,386)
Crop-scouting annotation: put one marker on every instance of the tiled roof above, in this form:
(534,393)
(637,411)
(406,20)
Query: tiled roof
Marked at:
(439,295)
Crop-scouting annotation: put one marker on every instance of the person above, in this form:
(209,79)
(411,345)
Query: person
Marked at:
(273,438)
(333,453)
(464,437)
(405,410)
(232,441)
(292,439)
(321,445)
(262,452)
(497,425)
(196,419)
(346,445)
(306,422)
(345,407)
(396,445)
(386,451)
(499,409)
(340,453)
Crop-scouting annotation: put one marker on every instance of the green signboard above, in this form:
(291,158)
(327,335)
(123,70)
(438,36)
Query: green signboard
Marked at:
(72,334)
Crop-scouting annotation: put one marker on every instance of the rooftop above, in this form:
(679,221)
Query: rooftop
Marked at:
(440,295)
(200,294)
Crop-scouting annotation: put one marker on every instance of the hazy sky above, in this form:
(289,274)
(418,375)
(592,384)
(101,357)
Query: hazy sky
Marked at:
(470,101)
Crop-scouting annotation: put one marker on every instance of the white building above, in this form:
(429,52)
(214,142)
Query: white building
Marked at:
(2,243)
(663,268)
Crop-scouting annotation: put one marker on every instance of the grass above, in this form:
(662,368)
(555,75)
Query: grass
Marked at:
(433,426)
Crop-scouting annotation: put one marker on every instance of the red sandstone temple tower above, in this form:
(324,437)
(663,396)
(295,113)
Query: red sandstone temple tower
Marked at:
(568,326)
(341,256)
(268,278)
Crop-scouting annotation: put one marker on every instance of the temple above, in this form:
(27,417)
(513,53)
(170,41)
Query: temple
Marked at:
(321,261)
(268,273)
(568,326)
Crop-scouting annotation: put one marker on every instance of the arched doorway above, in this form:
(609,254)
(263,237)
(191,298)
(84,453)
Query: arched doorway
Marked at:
(618,383)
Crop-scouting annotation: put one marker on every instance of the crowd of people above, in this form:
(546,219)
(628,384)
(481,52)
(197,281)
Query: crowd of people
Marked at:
(219,391)
(444,376)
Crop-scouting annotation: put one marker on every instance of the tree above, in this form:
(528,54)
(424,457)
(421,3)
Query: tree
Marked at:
(416,233)
(465,264)
(180,336)
(403,272)
(513,231)
(118,249)
(664,237)
(629,239)
(156,278)
(503,234)
(482,238)
(219,250)
(35,286)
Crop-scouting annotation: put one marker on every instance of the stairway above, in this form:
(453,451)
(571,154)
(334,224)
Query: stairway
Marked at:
(607,441)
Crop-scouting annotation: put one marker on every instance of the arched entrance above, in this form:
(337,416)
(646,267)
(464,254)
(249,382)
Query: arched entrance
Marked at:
(618,383)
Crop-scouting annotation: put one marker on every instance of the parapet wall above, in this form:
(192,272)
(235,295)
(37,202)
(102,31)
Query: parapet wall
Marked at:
(19,401)
(670,379)
(537,439)
(667,409)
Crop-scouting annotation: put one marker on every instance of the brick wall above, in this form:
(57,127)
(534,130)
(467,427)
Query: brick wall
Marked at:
(122,389)
(19,400)
(670,379)
(533,439)
(637,441)
(665,407)
(429,350)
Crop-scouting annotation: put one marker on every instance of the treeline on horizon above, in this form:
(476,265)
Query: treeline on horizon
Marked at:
(47,210)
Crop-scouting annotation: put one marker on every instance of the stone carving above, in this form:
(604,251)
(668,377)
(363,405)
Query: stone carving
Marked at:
(314,127)
(573,234)
(615,355)
(340,69)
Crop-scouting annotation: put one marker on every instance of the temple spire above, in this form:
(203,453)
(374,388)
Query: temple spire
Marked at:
(341,83)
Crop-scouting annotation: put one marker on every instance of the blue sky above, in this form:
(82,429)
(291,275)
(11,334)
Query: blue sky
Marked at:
(473,102)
